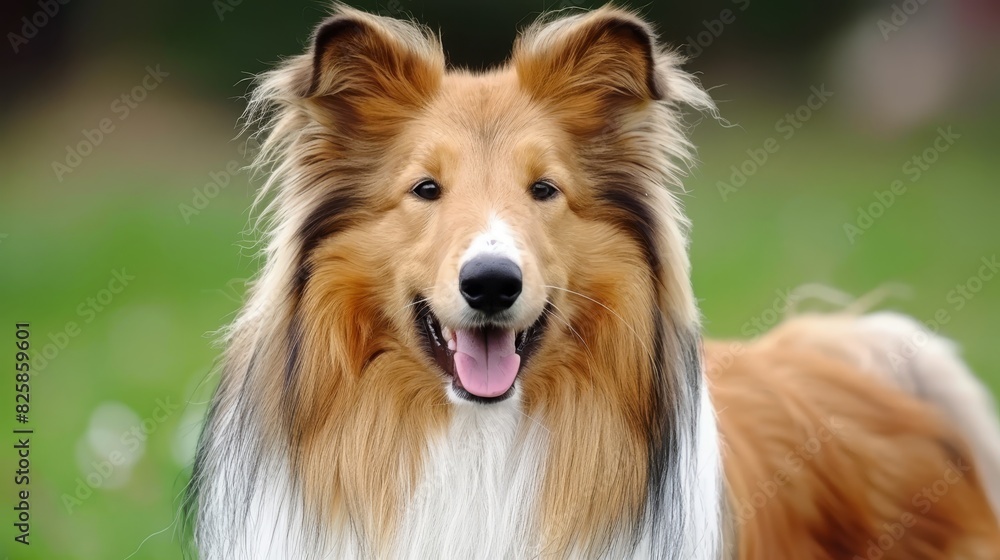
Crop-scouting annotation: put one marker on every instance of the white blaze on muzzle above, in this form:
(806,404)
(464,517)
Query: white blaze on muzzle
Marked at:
(498,239)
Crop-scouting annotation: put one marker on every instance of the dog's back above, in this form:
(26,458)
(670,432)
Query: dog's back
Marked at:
(834,448)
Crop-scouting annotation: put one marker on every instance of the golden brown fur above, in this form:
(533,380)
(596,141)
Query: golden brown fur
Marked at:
(538,115)
(823,462)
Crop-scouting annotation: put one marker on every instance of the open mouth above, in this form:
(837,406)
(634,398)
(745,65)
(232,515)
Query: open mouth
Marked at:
(482,362)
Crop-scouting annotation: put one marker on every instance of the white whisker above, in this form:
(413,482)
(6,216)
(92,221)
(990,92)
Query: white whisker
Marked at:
(591,359)
(613,312)
(404,309)
(536,422)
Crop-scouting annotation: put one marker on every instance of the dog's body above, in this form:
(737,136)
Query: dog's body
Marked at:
(825,461)
(475,336)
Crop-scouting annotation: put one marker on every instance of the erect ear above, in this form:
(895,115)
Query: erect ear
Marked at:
(374,66)
(590,66)
(604,52)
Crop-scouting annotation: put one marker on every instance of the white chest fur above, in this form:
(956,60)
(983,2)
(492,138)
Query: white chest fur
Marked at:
(481,482)
(477,497)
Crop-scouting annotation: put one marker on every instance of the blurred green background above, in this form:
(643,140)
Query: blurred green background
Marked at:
(126,248)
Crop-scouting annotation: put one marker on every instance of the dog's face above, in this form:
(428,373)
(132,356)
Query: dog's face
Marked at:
(491,216)
(483,211)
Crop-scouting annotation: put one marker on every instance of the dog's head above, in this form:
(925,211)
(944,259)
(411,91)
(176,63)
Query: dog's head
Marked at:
(477,219)
(482,224)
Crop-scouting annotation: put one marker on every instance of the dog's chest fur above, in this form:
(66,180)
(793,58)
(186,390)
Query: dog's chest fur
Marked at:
(480,486)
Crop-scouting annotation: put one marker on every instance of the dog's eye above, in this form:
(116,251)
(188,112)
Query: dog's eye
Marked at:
(543,190)
(427,190)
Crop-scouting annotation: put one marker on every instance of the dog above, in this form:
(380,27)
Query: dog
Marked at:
(475,336)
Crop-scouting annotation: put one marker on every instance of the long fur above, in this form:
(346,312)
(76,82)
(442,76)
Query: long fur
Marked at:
(901,351)
(838,461)
(333,434)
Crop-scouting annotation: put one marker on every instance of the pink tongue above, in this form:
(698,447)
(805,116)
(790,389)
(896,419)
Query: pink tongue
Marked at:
(485,361)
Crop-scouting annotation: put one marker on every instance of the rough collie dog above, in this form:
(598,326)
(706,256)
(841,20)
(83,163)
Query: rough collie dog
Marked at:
(475,337)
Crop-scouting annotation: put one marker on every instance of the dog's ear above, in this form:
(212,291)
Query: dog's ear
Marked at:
(607,52)
(595,64)
(371,65)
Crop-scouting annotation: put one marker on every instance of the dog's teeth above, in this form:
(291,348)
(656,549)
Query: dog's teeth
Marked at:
(525,335)
(433,331)
(449,337)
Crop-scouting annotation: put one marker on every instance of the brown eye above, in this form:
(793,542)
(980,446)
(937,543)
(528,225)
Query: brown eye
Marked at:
(427,190)
(543,190)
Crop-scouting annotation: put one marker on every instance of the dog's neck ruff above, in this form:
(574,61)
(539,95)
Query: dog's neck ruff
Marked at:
(477,497)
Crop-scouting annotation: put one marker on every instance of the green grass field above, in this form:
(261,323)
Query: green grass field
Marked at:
(137,361)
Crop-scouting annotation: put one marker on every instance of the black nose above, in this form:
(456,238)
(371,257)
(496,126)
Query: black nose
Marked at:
(490,284)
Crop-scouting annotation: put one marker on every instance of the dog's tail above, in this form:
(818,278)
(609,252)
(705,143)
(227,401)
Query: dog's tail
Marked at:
(904,352)
(929,366)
